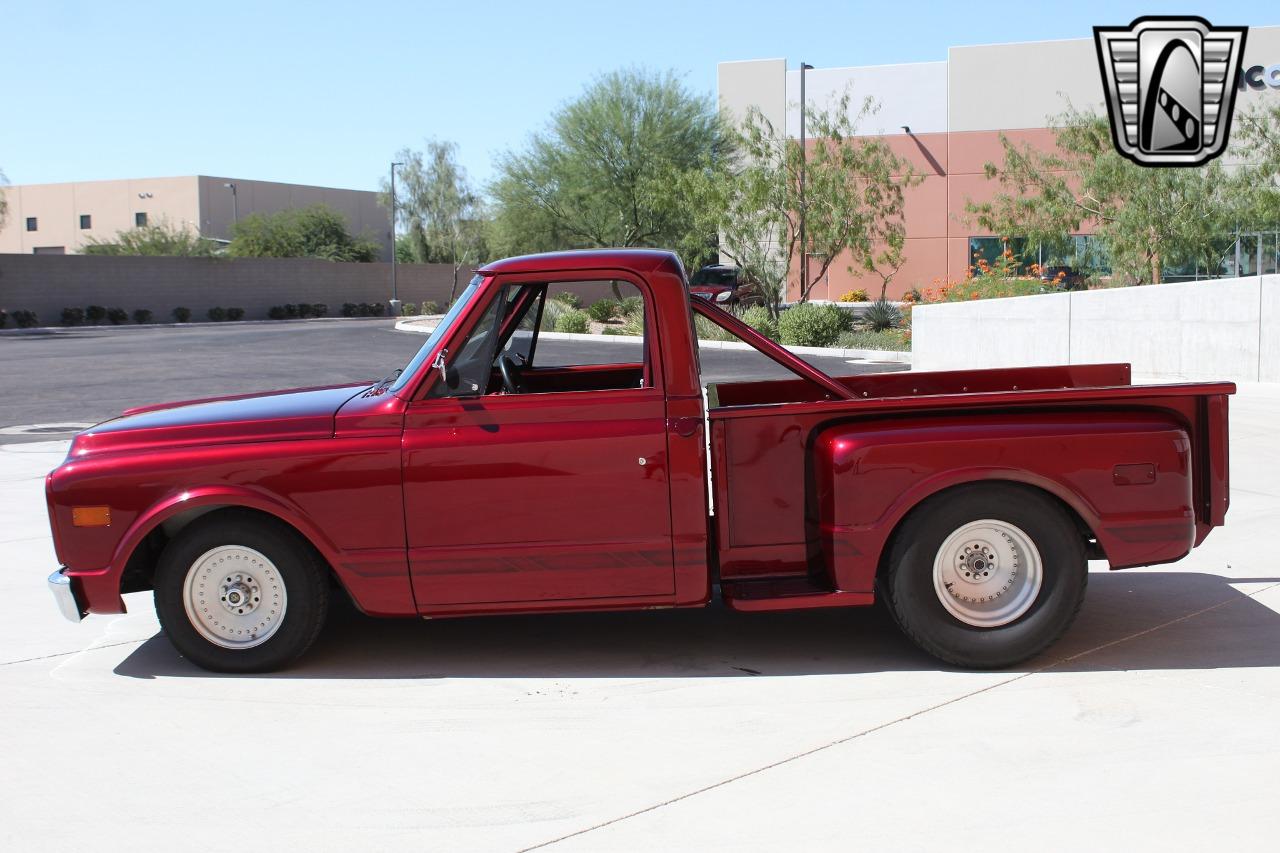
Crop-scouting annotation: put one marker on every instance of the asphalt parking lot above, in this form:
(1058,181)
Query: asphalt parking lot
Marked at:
(1151,725)
(86,375)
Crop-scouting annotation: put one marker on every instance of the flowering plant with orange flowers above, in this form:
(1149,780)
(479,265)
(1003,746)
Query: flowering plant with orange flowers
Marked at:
(987,280)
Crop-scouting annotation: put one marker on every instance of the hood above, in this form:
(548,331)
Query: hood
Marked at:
(276,416)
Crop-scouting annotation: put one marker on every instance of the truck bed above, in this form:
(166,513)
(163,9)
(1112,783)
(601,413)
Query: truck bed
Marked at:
(781,520)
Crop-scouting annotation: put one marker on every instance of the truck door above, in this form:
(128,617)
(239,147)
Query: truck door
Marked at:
(546,480)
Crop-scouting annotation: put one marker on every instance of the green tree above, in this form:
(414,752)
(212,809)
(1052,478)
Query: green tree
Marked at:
(317,231)
(1257,146)
(160,239)
(1147,219)
(441,216)
(605,171)
(852,206)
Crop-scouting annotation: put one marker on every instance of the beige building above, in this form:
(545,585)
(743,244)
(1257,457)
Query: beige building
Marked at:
(946,119)
(62,218)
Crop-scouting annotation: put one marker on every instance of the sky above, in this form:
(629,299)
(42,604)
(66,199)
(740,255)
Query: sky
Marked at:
(325,93)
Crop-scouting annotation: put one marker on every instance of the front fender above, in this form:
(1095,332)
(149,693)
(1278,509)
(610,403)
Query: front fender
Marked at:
(101,587)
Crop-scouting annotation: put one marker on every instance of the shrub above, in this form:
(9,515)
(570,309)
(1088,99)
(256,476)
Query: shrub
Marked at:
(95,314)
(72,316)
(633,323)
(142,316)
(810,325)
(217,315)
(276,312)
(235,313)
(573,321)
(705,330)
(409,309)
(25,319)
(4,317)
(377,309)
(304,310)
(349,309)
(430,307)
(630,305)
(573,300)
(897,340)
(290,311)
(882,315)
(181,314)
(116,316)
(859,295)
(603,310)
(759,318)
(319,309)
(613,330)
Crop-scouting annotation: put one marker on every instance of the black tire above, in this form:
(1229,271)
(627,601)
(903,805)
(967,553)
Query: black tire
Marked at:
(909,589)
(303,574)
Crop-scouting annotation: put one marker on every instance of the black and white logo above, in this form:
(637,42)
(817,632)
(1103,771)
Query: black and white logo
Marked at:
(1170,88)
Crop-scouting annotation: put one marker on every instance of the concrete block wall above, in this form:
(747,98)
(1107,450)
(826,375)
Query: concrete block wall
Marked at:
(48,283)
(1223,329)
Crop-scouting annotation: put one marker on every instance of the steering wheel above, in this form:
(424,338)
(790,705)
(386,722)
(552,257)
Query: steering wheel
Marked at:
(510,375)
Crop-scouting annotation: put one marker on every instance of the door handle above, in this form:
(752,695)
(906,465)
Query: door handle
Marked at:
(683,427)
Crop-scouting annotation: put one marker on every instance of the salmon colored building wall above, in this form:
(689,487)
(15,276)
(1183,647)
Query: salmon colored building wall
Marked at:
(937,223)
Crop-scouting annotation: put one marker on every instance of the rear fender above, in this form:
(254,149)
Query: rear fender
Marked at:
(869,476)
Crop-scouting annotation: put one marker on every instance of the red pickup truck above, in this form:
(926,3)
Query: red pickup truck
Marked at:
(487,478)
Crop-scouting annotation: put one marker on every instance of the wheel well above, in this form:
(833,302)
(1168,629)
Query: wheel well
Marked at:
(1092,549)
(139,571)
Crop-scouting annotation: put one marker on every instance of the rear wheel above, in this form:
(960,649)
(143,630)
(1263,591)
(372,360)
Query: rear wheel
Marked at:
(986,576)
(239,593)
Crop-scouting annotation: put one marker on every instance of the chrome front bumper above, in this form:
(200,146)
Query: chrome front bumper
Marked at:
(65,594)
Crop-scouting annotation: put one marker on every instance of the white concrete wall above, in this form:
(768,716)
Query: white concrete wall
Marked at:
(1225,329)
(913,94)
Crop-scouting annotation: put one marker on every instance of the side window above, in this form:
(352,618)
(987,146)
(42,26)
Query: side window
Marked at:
(510,349)
(613,310)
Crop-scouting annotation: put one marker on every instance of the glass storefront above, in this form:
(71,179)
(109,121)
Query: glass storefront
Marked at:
(1084,254)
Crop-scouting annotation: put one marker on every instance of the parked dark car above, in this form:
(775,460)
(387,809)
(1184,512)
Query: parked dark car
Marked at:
(724,285)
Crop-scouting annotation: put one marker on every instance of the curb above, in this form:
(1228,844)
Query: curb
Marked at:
(883,356)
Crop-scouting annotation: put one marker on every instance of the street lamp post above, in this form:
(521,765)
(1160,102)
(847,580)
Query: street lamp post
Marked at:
(395,294)
(235,204)
(804,157)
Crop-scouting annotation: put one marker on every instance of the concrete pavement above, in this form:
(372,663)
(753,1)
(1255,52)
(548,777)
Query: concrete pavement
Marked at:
(1152,725)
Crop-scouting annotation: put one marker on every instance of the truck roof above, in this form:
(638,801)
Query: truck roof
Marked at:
(639,260)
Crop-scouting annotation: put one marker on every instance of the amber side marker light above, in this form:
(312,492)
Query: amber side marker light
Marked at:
(91,516)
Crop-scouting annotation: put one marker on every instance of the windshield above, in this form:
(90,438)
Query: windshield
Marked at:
(442,330)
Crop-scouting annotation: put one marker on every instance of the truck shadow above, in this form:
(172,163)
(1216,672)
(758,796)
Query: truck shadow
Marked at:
(1130,621)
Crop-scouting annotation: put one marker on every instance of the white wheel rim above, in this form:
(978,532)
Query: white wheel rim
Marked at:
(988,573)
(234,596)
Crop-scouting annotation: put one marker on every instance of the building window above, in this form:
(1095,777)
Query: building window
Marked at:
(31,223)
(140,219)
(986,253)
(86,222)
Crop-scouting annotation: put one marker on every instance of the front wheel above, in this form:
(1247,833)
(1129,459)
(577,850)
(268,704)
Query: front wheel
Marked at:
(986,576)
(238,593)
